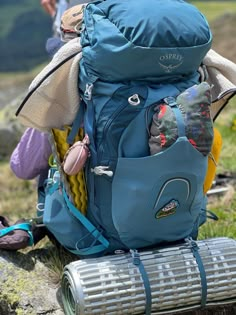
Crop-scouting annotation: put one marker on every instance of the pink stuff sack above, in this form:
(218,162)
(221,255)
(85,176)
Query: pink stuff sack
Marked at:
(75,158)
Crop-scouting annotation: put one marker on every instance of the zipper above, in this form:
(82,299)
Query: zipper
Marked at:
(107,126)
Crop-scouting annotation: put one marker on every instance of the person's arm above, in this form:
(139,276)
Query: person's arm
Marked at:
(30,157)
(49,6)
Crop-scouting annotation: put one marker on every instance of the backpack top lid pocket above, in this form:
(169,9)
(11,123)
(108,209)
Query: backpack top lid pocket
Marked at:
(173,36)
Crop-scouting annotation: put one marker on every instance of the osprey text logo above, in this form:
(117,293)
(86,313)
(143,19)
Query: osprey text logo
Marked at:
(170,62)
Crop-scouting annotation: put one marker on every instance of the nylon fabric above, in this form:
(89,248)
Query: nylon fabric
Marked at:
(133,57)
(178,177)
(137,262)
(120,33)
(194,248)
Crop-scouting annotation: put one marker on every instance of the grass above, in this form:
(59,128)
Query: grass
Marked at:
(17,197)
(225,123)
(8,79)
(224,206)
(214,9)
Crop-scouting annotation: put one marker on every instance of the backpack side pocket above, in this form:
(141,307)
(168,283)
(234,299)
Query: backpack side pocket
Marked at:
(69,226)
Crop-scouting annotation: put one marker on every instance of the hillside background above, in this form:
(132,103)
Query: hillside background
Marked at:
(23,29)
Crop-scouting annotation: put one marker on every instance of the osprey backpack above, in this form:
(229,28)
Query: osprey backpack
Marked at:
(147,117)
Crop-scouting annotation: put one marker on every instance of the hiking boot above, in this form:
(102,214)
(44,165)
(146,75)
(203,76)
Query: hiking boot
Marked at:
(14,240)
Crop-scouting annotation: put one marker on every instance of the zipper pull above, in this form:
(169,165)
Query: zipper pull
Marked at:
(88,91)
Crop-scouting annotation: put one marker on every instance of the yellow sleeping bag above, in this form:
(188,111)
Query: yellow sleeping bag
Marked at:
(213,160)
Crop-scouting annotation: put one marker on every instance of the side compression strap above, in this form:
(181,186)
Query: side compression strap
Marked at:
(93,249)
(89,121)
(137,262)
(194,248)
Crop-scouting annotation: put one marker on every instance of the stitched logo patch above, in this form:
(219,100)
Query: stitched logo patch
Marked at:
(168,209)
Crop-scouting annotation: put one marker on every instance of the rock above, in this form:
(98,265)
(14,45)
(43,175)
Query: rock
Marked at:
(25,285)
(8,139)
(11,91)
(10,129)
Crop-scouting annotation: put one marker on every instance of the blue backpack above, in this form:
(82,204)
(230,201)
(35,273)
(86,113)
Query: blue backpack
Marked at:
(139,87)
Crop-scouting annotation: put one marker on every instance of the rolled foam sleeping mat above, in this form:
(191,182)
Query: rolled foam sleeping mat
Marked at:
(114,285)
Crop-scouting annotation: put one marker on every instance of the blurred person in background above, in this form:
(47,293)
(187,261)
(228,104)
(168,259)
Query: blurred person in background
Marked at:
(29,159)
(55,9)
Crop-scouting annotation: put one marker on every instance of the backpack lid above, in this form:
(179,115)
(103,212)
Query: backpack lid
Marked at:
(154,40)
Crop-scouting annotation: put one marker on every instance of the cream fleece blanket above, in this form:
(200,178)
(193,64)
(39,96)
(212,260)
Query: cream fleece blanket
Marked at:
(53,97)
(222,78)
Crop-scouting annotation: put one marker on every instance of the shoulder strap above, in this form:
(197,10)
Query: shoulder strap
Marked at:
(92,249)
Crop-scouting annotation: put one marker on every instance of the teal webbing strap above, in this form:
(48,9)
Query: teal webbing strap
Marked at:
(53,188)
(195,248)
(89,121)
(211,215)
(137,262)
(179,118)
(90,227)
(76,124)
(20,226)
(92,249)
